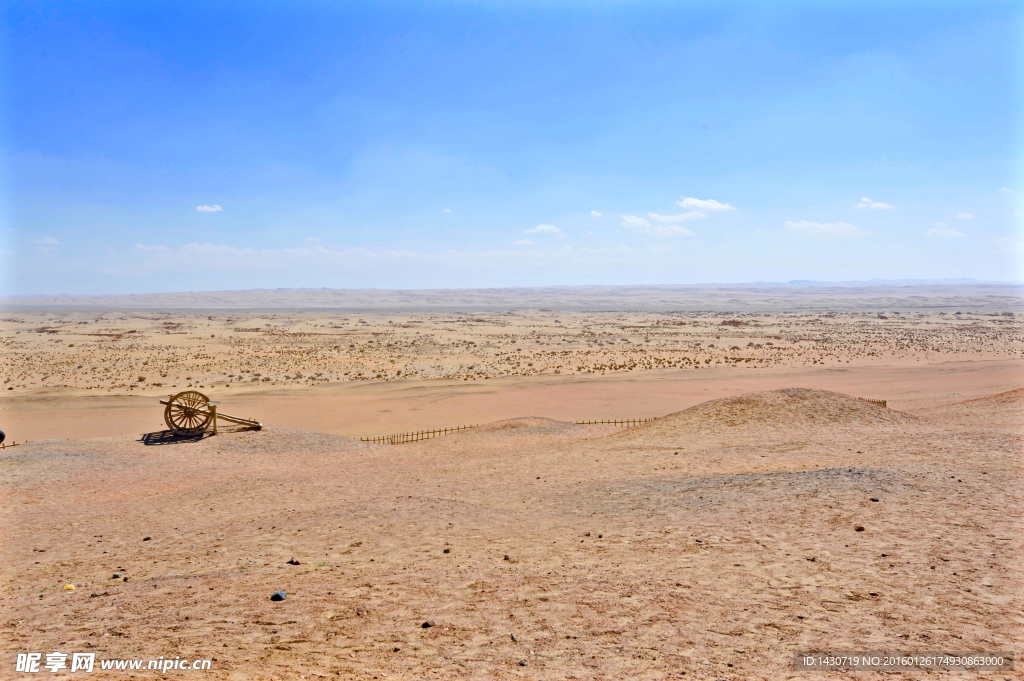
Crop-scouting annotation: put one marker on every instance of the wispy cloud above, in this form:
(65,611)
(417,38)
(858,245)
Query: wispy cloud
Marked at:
(1005,190)
(709,205)
(825,228)
(209,209)
(1008,242)
(446,210)
(865,202)
(595,213)
(943,230)
(641,226)
(544,229)
(46,241)
(965,216)
(523,242)
(675,219)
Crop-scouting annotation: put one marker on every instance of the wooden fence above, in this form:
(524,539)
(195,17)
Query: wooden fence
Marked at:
(417,436)
(403,438)
(627,423)
(880,403)
(5,446)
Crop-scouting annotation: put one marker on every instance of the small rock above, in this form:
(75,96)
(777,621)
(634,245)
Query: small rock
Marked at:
(146,538)
(117,575)
(872,593)
(447,551)
(858,528)
(278,596)
(69,587)
(812,559)
(428,624)
(514,639)
(874,498)
(586,534)
(293,562)
(522,663)
(600,536)
(124,579)
(506,557)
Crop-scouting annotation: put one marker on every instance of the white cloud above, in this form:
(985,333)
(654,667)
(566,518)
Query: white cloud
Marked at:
(46,241)
(1006,190)
(943,231)
(523,242)
(209,209)
(825,228)
(544,229)
(965,216)
(865,202)
(446,210)
(675,219)
(710,205)
(595,213)
(641,226)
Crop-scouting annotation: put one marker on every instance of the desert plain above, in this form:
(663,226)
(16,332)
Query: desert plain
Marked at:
(768,504)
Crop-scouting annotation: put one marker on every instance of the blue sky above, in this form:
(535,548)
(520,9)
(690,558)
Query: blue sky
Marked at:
(157,146)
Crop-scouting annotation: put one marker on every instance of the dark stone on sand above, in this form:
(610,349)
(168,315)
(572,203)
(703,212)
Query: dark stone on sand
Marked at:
(146,538)
(858,528)
(874,498)
(428,624)
(278,596)
(447,550)
(522,663)
(513,637)
(293,562)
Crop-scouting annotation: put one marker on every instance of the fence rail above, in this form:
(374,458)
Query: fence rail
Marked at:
(418,436)
(880,403)
(5,446)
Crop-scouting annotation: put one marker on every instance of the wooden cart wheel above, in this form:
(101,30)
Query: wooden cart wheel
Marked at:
(188,413)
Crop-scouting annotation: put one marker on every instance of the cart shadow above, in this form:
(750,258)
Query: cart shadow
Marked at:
(167,437)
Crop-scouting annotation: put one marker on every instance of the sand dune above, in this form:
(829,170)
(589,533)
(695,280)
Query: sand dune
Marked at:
(767,508)
(538,548)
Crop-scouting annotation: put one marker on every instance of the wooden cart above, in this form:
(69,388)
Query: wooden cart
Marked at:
(191,413)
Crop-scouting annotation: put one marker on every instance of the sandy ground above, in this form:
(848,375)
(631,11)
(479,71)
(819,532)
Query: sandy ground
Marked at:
(712,542)
(364,375)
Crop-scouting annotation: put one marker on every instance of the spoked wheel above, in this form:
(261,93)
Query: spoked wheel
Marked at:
(188,413)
